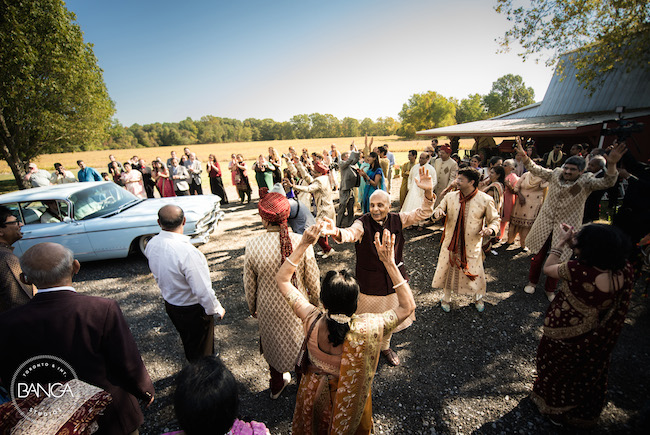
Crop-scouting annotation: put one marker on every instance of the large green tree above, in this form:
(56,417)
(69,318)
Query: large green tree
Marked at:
(608,33)
(470,109)
(52,93)
(424,111)
(508,93)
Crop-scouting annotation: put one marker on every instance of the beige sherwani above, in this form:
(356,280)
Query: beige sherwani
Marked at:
(320,188)
(281,332)
(446,173)
(480,211)
(564,203)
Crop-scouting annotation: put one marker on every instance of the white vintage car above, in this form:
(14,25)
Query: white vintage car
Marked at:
(100,220)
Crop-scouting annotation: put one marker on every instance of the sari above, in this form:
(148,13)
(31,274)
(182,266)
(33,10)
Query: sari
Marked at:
(369,189)
(581,328)
(335,398)
(362,182)
(164,184)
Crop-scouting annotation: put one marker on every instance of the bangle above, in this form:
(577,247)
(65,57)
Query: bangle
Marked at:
(399,284)
(555,251)
(291,262)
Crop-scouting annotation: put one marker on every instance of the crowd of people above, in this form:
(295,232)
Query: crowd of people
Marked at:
(332,332)
(173,177)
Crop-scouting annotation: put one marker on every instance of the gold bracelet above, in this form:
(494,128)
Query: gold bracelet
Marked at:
(555,251)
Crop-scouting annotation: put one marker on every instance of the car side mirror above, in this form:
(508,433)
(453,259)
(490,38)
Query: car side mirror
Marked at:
(67,219)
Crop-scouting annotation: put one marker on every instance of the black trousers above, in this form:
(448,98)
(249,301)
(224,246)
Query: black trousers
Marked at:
(195,189)
(195,328)
(216,186)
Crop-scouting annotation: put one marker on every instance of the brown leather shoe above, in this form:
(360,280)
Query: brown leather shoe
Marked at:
(391,356)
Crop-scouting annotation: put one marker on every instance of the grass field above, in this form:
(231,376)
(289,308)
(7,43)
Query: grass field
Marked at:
(250,150)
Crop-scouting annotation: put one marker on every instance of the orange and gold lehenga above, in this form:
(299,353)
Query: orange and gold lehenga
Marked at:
(334,395)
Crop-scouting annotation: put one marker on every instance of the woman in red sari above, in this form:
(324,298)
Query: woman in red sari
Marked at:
(160,175)
(582,324)
(343,348)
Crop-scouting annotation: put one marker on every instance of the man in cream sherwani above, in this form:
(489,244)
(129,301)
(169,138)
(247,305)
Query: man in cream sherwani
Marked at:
(471,216)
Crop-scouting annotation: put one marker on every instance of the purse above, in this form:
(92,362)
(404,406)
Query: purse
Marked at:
(302,363)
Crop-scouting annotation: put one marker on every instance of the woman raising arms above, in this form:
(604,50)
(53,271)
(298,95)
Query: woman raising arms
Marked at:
(334,394)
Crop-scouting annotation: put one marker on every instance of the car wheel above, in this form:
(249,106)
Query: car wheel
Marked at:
(142,242)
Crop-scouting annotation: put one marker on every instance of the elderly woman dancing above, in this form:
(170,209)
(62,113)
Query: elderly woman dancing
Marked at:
(343,348)
(582,323)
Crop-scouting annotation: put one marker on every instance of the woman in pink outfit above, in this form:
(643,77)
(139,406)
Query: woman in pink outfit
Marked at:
(509,196)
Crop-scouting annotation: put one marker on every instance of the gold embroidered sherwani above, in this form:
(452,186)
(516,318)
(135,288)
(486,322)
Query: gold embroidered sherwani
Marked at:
(564,203)
(446,173)
(281,332)
(480,211)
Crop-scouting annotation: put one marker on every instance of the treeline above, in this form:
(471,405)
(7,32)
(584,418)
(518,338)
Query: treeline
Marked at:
(212,129)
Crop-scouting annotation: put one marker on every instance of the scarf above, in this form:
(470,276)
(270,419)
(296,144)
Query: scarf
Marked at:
(550,161)
(458,238)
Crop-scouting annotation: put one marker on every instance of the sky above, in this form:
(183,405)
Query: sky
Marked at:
(164,61)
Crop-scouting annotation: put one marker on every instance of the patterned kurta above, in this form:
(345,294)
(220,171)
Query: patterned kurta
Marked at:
(479,211)
(12,291)
(281,331)
(564,203)
(446,171)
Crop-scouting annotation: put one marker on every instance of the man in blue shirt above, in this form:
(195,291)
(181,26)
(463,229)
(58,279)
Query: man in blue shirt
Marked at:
(87,174)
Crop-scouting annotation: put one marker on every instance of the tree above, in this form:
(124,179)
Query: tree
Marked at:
(470,109)
(604,33)
(508,93)
(424,111)
(350,127)
(52,93)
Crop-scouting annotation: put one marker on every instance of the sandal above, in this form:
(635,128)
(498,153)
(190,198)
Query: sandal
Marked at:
(391,356)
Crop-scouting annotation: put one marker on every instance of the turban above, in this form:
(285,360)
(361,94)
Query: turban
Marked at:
(321,168)
(446,148)
(275,208)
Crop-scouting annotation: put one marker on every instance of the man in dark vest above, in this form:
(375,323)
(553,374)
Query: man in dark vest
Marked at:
(376,289)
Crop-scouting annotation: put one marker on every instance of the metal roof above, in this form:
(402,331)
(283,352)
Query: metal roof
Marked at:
(527,126)
(566,105)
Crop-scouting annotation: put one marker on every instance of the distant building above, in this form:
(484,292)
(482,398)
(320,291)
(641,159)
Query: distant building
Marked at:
(570,114)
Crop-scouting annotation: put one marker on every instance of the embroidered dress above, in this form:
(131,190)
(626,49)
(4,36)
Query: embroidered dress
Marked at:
(509,198)
(581,328)
(446,171)
(334,396)
(532,189)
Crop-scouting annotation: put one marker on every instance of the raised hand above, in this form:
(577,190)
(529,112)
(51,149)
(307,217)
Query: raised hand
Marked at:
(567,234)
(617,153)
(519,147)
(329,227)
(311,234)
(385,251)
(425,182)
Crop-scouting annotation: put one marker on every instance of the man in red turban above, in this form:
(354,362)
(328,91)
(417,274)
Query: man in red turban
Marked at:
(281,332)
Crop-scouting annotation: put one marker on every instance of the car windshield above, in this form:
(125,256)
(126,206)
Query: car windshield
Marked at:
(99,200)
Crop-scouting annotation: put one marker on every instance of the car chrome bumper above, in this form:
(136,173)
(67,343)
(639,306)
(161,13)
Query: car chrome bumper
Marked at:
(209,228)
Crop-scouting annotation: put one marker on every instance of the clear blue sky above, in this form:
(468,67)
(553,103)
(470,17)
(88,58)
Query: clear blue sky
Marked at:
(166,60)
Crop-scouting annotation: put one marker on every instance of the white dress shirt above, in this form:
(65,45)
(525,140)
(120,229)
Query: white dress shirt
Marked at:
(181,272)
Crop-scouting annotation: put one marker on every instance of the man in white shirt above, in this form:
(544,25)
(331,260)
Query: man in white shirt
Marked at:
(61,175)
(183,277)
(37,177)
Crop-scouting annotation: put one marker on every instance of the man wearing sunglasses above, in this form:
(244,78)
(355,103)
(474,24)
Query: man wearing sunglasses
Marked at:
(12,291)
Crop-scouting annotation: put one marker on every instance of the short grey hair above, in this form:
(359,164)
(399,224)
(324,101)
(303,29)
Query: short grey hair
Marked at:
(379,192)
(45,274)
(345,154)
(600,160)
(510,162)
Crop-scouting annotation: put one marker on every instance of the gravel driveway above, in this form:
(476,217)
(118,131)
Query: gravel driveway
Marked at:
(461,372)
